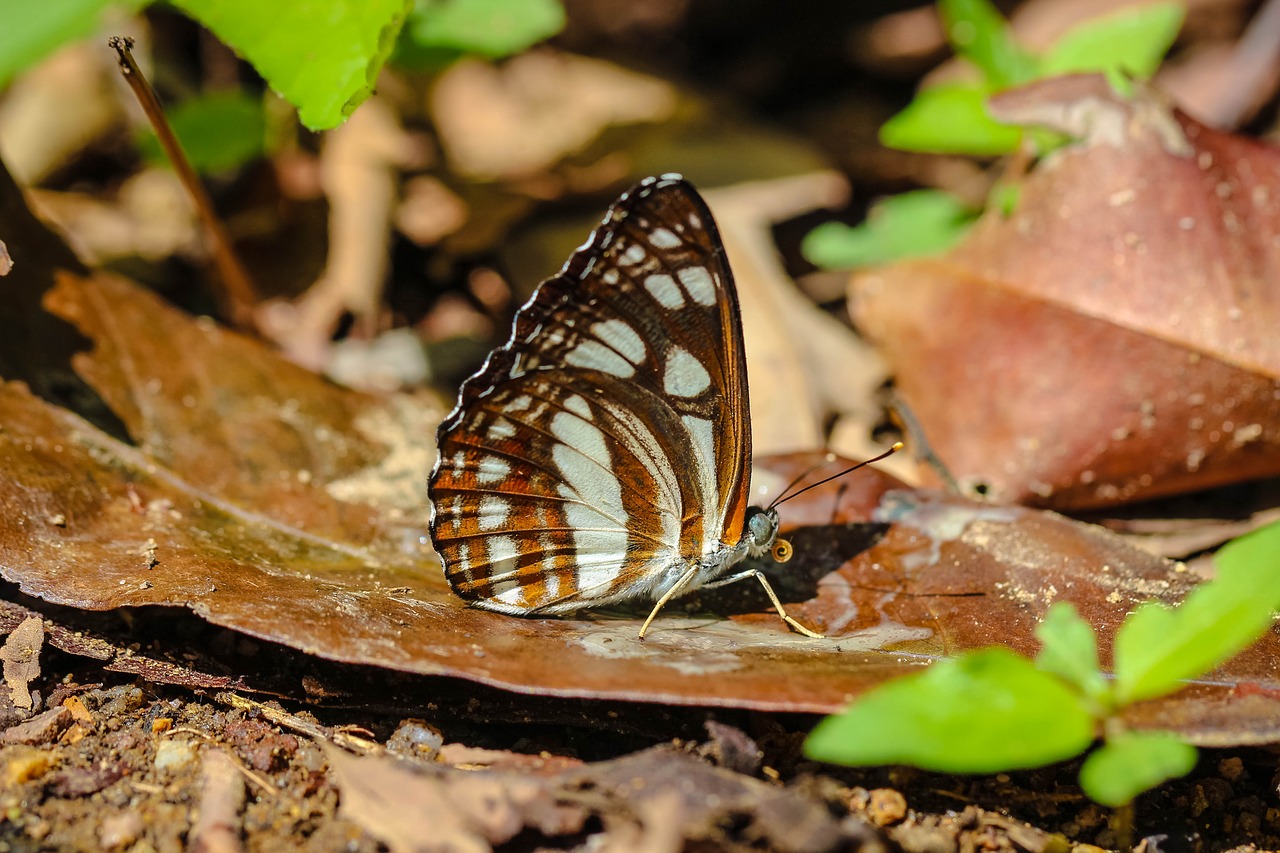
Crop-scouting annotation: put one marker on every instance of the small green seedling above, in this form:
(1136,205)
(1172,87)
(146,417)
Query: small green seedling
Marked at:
(914,224)
(219,132)
(437,33)
(993,710)
(951,117)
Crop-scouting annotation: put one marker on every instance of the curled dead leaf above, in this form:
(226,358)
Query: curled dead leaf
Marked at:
(659,799)
(455,809)
(1113,339)
(21,656)
(513,120)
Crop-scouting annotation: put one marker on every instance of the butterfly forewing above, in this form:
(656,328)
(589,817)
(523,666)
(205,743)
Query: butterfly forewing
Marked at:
(606,445)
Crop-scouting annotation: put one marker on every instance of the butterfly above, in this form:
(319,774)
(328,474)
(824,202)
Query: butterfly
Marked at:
(603,453)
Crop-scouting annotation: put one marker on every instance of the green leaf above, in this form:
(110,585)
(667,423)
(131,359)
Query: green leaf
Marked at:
(1004,197)
(322,56)
(218,132)
(31,31)
(982,712)
(1156,647)
(914,224)
(1133,40)
(1134,762)
(980,34)
(492,28)
(950,119)
(1070,651)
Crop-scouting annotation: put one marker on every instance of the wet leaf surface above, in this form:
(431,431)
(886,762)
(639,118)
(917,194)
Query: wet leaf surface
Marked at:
(269,501)
(1121,322)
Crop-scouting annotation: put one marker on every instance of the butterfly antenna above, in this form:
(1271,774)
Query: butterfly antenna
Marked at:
(892,450)
(782,495)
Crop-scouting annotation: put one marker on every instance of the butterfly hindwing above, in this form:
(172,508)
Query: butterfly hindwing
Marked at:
(606,445)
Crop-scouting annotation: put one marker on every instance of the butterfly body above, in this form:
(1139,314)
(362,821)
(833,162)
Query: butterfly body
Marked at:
(602,454)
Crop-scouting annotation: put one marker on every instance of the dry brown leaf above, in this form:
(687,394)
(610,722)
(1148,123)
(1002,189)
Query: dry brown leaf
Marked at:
(1114,338)
(511,121)
(432,808)
(236,567)
(46,727)
(429,211)
(21,656)
(57,108)
(474,757)
(677,799)
(658,800)
(150,216)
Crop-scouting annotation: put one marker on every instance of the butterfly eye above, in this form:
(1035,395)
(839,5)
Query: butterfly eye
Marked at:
(782,550)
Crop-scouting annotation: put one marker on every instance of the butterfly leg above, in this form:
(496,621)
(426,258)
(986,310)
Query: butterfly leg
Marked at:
(773,596)
(668,595)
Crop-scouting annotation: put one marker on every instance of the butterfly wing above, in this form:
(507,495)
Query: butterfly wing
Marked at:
(606,445)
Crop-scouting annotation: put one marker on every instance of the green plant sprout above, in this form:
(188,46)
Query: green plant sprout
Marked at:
(912,224)
(951,118)
(219,131)
(993,710)
(441,31)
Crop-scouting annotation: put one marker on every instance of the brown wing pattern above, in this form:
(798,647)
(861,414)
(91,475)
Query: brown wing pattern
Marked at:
(606,445)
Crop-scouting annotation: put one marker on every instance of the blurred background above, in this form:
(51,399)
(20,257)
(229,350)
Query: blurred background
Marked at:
(390,250)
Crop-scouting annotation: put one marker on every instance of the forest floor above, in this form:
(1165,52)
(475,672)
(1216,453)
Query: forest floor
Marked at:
(385,761)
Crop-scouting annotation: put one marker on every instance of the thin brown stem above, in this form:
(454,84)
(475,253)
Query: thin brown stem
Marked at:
(1122,826)
(906,418)
(238,295)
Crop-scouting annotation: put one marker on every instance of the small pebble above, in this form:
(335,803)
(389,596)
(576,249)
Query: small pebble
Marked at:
(42,728)
(417,739)
(24,764)
(119,830)
(1216,792)
(39,830)
(886,806)
(174,754)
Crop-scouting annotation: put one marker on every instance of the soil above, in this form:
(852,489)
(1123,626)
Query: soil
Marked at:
(114,762)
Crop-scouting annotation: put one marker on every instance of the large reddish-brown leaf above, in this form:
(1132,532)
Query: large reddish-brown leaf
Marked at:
(1114,339)
(270,501)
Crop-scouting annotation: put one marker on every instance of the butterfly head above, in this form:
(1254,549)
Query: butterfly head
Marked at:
(762,534)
